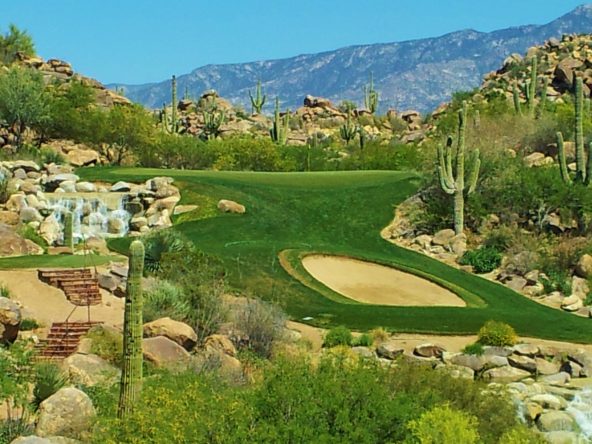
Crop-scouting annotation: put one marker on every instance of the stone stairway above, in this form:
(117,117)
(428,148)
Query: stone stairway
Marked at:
(79,285)
(63,339)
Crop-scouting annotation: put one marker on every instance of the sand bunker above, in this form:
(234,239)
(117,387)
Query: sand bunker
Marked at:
(377,284)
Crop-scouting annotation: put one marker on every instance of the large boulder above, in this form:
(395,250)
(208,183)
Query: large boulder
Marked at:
(50,229)
(584,266)
(10,320)
(176,331)
(220,343)
(505,374)
(429,351)
(443,237)
(554,421)
(89,370)
(165,353)
(12,244)
(68,412)
(230,206)
(389,350)
(81,157)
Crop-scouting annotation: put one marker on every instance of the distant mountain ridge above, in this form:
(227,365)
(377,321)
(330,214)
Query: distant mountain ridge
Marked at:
(415,74)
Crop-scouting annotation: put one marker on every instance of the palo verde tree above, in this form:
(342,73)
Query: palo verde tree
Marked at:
(15,42)
(24,102)
(131,375)
(454,182)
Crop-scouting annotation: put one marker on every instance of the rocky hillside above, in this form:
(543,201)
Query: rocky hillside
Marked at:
(418,74)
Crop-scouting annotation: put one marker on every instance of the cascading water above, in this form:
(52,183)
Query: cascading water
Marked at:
(91,216)
(581,409)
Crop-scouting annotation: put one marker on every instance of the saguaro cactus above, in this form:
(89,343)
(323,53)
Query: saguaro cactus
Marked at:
(371,96)
(456,185)
(68,230)
(258,101)
(348,130)
(583,169)
(213,120)
(279,130)
(530,88)
(131,375)
(170,124)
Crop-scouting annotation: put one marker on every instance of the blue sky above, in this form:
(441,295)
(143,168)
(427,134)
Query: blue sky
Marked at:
(137,41)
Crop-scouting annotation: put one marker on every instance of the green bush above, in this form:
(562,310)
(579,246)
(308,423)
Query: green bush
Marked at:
(28,232)
(474,349)
(5,291)
(338,336)
(332,401)
(364,340)
(106,343)
(497,334)
(483,260)
(521,434)
(28,324)
(557,280)
(48,380)
(50,156)
(588,300)
(165,299)
(444,425)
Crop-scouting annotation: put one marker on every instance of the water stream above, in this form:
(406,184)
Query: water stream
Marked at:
(94,214)
(581,409)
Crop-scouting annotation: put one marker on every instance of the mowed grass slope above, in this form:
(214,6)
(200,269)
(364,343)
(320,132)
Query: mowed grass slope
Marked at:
(336,213)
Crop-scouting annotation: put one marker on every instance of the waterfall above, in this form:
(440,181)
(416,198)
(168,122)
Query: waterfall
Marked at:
(581,409)
(92,216)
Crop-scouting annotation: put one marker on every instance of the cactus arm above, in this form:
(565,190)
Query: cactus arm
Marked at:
(589,166)
(446,180)
(131,375)
(474,176)
(562,159)
(516,97)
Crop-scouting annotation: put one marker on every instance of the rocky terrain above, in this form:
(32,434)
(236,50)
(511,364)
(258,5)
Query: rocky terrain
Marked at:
(418,74)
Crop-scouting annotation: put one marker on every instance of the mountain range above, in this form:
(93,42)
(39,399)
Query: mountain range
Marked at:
(415,74)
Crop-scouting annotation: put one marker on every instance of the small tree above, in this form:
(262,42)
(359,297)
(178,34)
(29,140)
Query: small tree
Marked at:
(14,42)
(24,102)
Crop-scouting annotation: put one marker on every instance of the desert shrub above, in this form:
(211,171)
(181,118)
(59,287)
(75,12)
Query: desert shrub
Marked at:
(5,291)
(338,336)
(4,191)
(48,380)
(292,400)
(483,260)
(475,348)
(262,323)
(556,280)
(106,343)
(364,340)
(563,254)
(16,374)
(498,334)
(28,232)
(201,279)
(160,242)
(379,334)
(444,425)
(588,300)
(165,299)
(499,238)
(51,156)
(28,324)
(521,434)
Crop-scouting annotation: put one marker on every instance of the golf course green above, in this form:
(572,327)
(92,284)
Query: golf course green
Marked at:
(335,213)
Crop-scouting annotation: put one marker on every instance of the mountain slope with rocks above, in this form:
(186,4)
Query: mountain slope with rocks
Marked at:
(418,74)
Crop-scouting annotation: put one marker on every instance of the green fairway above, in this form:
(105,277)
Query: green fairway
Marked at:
(59,261)
(336,213)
